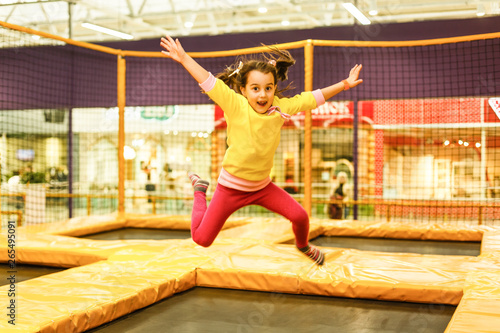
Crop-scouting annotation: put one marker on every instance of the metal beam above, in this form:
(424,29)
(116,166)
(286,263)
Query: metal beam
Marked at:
(30,3)
(134,21)
(141,8)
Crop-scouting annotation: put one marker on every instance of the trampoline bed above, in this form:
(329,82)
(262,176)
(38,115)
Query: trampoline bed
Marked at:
(110,279)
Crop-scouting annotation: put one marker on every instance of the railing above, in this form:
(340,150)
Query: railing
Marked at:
(14,212)
(438,205)
(382,207)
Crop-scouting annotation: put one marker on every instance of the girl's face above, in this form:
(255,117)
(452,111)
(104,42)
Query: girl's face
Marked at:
(259,90)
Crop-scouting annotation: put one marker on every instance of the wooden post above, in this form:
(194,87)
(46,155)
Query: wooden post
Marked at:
(153,202)
(89,205)
(480,217)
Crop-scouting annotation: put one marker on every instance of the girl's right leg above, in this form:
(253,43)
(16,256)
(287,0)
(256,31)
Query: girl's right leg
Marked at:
(279,201)
(206,223)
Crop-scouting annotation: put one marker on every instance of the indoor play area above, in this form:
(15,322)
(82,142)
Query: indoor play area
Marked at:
(97,139)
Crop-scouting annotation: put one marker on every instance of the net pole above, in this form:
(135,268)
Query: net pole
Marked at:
(69,147)
(1,157)
(484,168)
(70,134)
(355,149)
(121,132)
(69,41)
(308,85)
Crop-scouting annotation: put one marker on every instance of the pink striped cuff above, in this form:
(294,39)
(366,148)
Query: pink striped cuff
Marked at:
(318,96)
(209,83)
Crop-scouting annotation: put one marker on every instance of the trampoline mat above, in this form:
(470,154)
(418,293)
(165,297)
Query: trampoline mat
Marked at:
(25,272)
(140,233)
(401,245)
(224,310)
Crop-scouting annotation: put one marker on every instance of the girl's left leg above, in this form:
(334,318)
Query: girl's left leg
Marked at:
(279,201)
(206,223)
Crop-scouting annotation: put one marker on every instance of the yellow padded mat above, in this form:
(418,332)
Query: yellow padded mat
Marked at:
(112,278)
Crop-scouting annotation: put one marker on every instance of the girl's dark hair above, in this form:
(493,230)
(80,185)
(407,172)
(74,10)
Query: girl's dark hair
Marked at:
(274,61)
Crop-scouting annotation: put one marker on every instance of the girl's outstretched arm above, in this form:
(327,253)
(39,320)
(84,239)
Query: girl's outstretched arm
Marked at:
(352,81)
(173,49)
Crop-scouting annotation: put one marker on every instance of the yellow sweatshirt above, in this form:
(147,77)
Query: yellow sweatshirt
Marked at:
(252,138)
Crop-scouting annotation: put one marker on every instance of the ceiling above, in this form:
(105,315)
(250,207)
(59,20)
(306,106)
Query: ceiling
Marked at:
(145,19)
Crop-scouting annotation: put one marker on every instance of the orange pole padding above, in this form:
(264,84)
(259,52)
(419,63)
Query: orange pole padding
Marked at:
(407,43)
(334,43)
(86,45)
(121,89)
(215,54)
(308,86)
(291,45)
(1,157)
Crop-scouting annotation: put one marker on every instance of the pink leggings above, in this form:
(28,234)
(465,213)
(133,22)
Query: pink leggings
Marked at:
(206,223)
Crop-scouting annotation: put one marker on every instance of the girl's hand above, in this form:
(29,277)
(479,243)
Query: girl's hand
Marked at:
(172,49)
(353,76)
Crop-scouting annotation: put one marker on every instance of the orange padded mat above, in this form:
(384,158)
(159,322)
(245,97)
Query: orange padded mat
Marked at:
(109,279)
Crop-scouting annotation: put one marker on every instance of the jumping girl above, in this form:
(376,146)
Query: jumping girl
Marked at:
(255,111)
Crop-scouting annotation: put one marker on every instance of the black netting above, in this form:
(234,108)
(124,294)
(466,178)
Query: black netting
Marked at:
(55,149)
(417,141)
(425,130)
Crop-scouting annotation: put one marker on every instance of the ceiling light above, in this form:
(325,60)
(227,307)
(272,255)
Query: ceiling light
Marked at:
(373,8)
(138,142)
(107,31)
(285,22)
(446,143)
(480,10)
(128,153)
(188,24)
(262,10)
(356,13)
(478,145)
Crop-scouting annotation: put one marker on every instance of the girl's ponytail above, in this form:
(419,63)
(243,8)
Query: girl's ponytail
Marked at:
(274,61)
(283,60)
